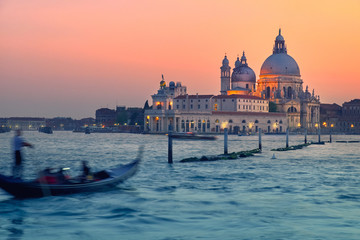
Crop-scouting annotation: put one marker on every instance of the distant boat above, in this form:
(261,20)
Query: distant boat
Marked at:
(275,133)
(87,130)
(192,136)
(47,130)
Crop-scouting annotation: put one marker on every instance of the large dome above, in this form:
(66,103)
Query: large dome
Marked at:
(280,64)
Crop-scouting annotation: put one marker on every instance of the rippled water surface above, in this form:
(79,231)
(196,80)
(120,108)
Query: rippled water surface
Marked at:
(312,193)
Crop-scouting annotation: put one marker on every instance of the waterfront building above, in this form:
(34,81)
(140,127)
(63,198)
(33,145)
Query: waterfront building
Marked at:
(26,123)
(279,85)
(3,122)
(280,82)
(330,117)
(211,114)
(105,117)
(350,117)
(130,116)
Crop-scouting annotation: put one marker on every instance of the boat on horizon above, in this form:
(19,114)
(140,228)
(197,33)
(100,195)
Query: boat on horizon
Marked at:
(47,130)
(192,136)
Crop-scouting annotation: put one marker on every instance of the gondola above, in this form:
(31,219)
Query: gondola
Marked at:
(103,180)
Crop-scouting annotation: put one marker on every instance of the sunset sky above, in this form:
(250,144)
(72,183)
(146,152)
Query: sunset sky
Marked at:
(69,58)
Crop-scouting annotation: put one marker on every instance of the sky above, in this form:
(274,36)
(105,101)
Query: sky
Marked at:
(69,58)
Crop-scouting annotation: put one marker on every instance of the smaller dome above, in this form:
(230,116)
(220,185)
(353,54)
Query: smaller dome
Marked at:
(279,38)
(225,62)
(162,84)
(242,72)
(171,84)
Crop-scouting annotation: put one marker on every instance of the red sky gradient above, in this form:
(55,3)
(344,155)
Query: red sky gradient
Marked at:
(69,58)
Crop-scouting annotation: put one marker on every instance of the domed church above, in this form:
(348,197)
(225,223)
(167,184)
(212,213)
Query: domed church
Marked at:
(243,78)
(280,82)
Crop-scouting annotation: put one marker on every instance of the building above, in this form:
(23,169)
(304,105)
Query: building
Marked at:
(280,82)
(330,117)
(26,123)
(211,114)
(130,116)
(243,98)
(350,117)
(105,116)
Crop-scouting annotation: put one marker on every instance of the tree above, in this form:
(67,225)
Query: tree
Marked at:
(146,105)
(272,107)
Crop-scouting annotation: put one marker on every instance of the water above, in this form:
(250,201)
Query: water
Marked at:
(311,193)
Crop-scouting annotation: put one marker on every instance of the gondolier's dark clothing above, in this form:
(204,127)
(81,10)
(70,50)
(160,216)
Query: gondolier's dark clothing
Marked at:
(18,143)
(18,158)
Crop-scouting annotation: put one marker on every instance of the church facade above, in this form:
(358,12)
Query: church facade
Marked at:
(279,82)
(273,103)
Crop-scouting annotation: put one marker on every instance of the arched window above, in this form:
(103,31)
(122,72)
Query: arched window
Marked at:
(208,124)
(289,92)
(268,121)
(243,121)
(280,122)
(256,121)
(199,124)
(291,109)
(268,92)
(247,86)
(182,124)
(230,121)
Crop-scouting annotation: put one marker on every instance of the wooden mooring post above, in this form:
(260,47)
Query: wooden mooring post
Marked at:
(319,135)
(225,141)
(260,146)
(170,148)
(287,137)
(305,139)
(330,140)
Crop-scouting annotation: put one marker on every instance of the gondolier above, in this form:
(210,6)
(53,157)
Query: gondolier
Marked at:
(18,143)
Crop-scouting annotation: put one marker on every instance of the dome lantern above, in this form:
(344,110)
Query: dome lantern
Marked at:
(243,60)
(279,46)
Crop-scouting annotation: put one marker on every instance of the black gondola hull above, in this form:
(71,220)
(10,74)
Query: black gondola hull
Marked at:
(33,189)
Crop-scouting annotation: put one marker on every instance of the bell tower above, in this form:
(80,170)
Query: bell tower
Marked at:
(225,76)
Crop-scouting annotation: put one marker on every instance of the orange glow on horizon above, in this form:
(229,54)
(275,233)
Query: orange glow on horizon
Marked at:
(108,52)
